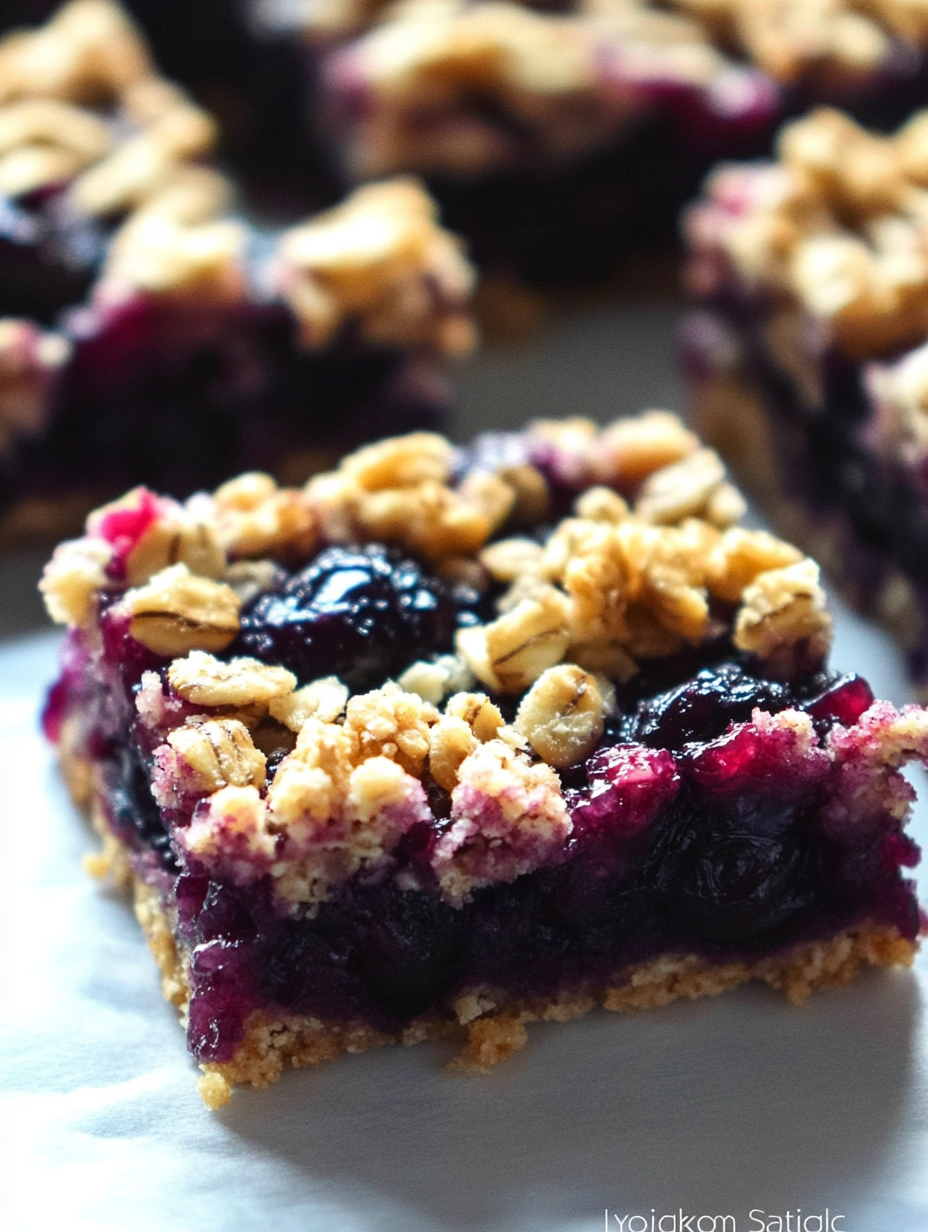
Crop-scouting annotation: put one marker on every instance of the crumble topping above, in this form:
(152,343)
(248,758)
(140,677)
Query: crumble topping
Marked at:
(787,601)
(573,81)
(204,680)
(176,612)
(209,756)
(507,817)
(838,224)
(379,258)
(791,39)
(561,715)
(81,103)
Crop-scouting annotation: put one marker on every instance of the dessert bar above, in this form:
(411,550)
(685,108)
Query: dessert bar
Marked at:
(808,361)
(150,334)
(557,142)
(562,139)
(455,739)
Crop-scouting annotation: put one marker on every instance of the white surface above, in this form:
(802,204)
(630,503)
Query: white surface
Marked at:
(715,1107)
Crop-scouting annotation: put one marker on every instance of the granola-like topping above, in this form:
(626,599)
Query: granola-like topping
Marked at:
(76,571)
(208,756)
(436,679)
(840,225)
(507,817)
(561,715)
(80,103)
(324,699)
(30,359)
(155,253)
(88,51)
(783,613)
(554,74)
(630,576)
(176,612)
(178,534)
(254,517)
(204,680)
(792,38)
(381,260)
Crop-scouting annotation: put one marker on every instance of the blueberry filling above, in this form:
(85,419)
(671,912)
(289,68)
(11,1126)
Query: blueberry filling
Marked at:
(362,614)
(665,853)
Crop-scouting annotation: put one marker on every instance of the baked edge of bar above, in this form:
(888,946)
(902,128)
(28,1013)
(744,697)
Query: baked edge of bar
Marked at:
(727,412)
(302,1040)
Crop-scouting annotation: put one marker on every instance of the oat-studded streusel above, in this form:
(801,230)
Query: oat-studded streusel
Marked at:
(797,39)
(646,564)
(836,233)
(81,103)
(381,259)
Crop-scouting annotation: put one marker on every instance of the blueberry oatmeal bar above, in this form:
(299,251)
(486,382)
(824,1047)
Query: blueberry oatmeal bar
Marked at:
(206,346)
(455,739)
(89,132)
(808,360)
(558,141)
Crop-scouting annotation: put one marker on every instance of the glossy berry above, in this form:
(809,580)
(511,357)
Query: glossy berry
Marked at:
(362,614)
(702,708)
(728,882)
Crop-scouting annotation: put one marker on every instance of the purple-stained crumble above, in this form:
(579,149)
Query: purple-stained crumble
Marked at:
(451,739)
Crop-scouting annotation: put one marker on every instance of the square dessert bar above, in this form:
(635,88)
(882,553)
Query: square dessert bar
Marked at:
(455,739)
(206,346)
(89,132)
(558,142)
(172,343)
(808,361)
(561,138)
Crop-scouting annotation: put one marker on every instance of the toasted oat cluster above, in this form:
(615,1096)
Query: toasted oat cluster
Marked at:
(82,104)
(454,738)
(836,229)
(794,39)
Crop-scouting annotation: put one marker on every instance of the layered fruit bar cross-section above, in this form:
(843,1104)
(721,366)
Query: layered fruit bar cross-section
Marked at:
(808,360)
(454,739)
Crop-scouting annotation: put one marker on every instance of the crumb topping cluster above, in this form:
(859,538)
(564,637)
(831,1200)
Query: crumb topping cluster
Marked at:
(379,260)
(572,80)
(839,225)
(82,103)
(791,38)
(649,561)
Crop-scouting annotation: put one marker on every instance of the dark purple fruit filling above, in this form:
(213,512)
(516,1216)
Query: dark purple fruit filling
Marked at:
(362,614)
(48,255)
(734,878)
